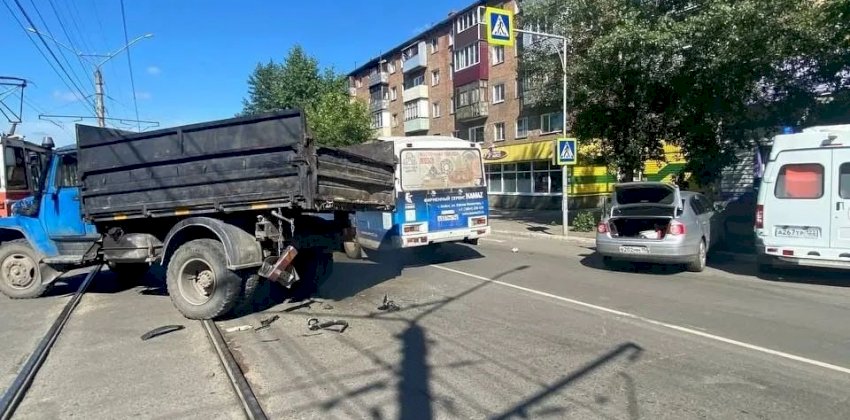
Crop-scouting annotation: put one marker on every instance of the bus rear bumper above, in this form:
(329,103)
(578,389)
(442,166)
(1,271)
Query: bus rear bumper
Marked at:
(455,235)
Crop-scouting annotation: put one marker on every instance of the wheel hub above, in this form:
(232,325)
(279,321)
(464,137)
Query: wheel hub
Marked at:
(19,270)
(204,282)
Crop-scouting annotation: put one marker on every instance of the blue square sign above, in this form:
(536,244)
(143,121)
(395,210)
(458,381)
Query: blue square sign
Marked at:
(500,29)
(566,149)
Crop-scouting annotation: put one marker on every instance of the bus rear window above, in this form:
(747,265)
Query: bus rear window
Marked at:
(800,180)
(433,169)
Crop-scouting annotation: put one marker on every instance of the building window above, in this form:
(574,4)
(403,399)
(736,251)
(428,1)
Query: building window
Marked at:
(466,57)
(499,131)
(435,45)
(435,109)
(476,134)
(391,66)
(522,128)
(435,77)
(451,106)
(551,123)
(411,82)
(358,82)
(498,54)
(468,20)
(395,120)
(471,93)
(451,40)
(393,93)
(499,93)
(524,178)
(377,120)
(410,52)
(411,110)
(799,180)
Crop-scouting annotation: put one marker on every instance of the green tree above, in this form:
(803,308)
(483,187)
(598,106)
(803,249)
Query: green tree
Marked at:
(333,118)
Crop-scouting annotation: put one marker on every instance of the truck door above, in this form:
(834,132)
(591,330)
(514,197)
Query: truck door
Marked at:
(61,202)
(797,205)
(840,195)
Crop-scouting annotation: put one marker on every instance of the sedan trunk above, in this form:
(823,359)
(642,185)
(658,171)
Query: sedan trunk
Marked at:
(640,227)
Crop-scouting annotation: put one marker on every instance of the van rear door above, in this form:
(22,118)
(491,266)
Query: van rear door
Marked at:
(840,229)
(797,205)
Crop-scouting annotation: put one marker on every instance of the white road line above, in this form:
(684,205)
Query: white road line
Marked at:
(492,240)
(659,323)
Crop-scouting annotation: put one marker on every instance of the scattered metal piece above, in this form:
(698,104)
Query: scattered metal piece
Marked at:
(313,324)
(239,328)
(328,307)
(514,250)
(388,305)
(160,331)
(264,323)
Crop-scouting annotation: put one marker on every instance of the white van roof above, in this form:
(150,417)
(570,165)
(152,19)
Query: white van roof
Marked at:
(812,138)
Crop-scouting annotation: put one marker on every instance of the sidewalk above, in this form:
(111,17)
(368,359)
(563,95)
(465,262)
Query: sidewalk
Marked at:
(546,224)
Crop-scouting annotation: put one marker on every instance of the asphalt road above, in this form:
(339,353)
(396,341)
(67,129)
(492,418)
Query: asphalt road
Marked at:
(513,328)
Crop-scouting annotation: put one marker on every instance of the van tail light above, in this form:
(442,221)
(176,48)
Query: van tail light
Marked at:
(677,228)
(602,227)
(759,216)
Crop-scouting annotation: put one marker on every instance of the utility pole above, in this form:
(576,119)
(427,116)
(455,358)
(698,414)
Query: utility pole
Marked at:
(100,105)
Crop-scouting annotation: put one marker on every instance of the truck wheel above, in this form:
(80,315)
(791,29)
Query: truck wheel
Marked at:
(20,273)
(129,272)
(698,264)
(199,283)
(353,250)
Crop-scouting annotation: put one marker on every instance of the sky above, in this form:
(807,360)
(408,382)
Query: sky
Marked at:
(195,66)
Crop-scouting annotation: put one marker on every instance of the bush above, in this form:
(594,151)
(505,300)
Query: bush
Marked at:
(585,221)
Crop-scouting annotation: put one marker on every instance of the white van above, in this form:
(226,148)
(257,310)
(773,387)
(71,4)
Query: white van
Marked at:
(803,208)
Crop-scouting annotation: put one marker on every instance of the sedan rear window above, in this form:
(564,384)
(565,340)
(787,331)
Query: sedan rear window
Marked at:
(648,195)
(800,181)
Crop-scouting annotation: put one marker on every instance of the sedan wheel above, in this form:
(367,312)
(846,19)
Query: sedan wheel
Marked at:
(698,264)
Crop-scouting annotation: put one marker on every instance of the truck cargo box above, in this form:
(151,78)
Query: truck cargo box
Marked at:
(260,161)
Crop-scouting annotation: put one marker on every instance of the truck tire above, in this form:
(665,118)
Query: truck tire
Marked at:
(353,250)
(199,283)
(20,272)
(698,263)
(129,272)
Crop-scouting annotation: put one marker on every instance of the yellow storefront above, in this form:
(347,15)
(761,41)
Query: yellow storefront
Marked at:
(524,176)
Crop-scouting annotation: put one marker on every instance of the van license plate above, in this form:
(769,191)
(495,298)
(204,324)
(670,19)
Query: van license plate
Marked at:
(633,250)
(798,232)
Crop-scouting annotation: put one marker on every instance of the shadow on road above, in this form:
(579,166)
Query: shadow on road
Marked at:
(150,283)
(784,274)
(594,260)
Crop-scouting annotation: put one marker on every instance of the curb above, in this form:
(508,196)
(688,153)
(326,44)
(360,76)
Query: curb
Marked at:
(746,258)
(579,240)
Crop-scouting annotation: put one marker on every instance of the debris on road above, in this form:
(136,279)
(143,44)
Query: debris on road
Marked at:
(156,332)
(313,324)
(264,323)
(514,250)
(328,307)
(239,328)
(388,305)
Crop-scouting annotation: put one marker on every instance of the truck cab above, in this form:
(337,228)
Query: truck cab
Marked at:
(23,165)
(46,230)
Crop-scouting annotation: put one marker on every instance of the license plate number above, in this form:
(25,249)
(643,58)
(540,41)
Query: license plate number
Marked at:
(797,232)
(634,250)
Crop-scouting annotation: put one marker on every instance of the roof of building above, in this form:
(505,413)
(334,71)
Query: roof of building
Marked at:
(402,139)
(374,61)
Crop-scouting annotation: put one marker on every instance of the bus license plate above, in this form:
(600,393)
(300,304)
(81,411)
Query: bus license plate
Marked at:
(447,218)
(633,250)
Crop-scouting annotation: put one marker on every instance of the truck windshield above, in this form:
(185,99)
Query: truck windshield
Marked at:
(431,169)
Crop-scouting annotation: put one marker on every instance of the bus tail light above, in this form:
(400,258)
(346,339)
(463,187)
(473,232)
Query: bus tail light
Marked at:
(414,228)
(478,221)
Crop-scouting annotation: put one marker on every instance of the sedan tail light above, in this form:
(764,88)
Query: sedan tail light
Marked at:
(677,228)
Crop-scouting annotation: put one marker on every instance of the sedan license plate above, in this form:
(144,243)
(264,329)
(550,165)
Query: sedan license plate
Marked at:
(624,249)
(797,232)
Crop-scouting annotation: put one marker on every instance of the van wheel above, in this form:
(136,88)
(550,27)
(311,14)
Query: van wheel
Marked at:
(20,272)
(199,283)
(698,264)
(353,250)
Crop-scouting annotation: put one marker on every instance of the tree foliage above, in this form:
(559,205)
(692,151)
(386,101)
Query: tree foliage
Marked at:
(332,117)
(707,75)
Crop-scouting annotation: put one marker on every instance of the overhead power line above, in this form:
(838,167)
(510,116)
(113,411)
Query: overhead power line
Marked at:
(61,54)
(130,66)
(49,50)
(68,38)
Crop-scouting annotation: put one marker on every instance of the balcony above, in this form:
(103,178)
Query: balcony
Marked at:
(472,111)
(377,105)
(416,92)
(379,77)
(416,124)
(416,57)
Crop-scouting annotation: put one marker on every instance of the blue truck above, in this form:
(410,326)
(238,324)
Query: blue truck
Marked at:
(221,205)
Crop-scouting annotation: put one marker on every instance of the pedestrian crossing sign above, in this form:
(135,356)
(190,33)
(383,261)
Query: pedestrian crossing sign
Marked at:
(566,149)
(500,26)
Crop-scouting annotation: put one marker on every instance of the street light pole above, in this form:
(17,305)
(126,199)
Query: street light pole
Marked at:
(100,105)
(565,208)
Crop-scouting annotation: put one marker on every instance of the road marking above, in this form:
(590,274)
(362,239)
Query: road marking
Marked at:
(492,240)
(686,330)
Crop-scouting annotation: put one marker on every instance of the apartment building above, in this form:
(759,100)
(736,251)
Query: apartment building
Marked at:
(449,81)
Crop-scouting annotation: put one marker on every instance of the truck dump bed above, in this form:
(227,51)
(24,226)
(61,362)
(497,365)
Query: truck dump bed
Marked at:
(228,165)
